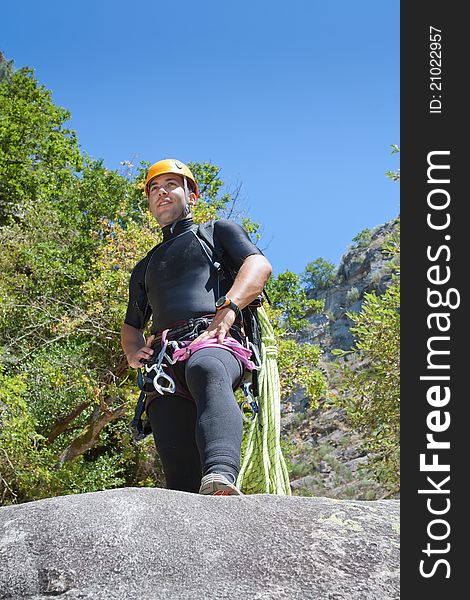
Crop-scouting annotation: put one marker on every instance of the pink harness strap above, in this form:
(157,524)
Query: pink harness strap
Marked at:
(229,344)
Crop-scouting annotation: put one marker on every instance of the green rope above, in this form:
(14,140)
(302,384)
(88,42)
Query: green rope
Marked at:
(263,469)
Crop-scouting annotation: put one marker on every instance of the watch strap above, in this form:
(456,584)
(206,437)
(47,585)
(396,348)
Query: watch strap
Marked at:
(229,304)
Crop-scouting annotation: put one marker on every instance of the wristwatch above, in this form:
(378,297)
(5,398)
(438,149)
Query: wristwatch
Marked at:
(224,302)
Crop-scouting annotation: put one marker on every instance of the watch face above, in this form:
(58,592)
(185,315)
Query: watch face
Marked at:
(221,301)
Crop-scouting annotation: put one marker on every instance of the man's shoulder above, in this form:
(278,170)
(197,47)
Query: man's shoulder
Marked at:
(219,229)
(222,223)
(225,226)
(219,223)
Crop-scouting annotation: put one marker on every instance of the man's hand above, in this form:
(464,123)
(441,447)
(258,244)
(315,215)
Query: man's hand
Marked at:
(219,327)
(136,359)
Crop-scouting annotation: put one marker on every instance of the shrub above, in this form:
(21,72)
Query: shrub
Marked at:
(363,238)
(352,295)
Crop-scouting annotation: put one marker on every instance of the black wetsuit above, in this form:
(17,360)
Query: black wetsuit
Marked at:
(198,429)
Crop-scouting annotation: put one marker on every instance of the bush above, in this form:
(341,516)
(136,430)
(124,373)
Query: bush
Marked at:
(352,295)
(363,238)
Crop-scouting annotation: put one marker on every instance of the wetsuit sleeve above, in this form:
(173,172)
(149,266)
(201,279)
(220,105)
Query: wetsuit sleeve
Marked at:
(138,308)
(234,241)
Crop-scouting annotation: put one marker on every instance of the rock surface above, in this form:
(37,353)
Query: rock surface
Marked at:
(328,456)
(161,544)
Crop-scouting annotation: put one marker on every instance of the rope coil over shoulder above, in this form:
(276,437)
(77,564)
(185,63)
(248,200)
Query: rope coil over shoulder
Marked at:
(263,469)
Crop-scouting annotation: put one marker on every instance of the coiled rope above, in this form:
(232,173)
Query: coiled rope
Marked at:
(263,469)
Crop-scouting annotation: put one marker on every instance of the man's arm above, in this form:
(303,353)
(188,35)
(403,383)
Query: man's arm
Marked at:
(250,280)
(137,315)
(134,345)
(249,283)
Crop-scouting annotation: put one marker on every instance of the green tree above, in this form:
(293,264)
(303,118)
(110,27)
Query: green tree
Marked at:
(318,274)
(38,155)
(298,363)
(394,175)
(363,238)
(289,297)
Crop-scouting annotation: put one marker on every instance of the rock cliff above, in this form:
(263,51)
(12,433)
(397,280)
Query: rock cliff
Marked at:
(363,268)
(328,457)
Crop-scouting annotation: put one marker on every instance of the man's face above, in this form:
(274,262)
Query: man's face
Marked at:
(166,198)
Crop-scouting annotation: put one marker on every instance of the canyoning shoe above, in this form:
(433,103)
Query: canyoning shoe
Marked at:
(215,484)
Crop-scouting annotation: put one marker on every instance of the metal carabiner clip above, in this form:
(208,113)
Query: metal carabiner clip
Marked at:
(169,359)
(250,403)
(246,416)
(170,386)
(157,365)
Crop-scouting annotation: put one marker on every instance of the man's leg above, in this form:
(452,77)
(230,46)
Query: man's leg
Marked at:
(173,420)
(211,376)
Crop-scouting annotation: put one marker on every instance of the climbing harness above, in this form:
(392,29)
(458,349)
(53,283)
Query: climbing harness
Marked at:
(152,372)
(241,352)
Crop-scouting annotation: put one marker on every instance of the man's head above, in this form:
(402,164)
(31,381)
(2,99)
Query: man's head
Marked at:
(171,190)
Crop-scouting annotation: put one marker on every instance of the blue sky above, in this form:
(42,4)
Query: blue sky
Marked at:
(298,101)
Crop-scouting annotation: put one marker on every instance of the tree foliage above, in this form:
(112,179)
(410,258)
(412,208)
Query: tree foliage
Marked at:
(394,175)
(298,363)
(71,231)
(318,274)
(289,297)
(363,238)
(38,155)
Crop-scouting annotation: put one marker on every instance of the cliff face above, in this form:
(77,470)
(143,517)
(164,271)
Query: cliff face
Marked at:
(364,268)
(327,455)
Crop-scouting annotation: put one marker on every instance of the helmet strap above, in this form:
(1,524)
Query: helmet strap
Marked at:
(187,208)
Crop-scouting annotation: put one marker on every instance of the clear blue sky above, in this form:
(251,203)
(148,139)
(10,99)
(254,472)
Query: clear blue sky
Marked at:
(298,101)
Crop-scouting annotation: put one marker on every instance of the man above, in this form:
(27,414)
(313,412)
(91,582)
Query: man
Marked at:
(197,427)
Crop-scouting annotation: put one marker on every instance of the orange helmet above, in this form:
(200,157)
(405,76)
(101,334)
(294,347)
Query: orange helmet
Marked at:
(169,165)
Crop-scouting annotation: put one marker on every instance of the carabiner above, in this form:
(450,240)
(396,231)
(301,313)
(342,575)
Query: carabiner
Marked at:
(164,389)
(157,365)
(169,359)
(249,402)
(246,416)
